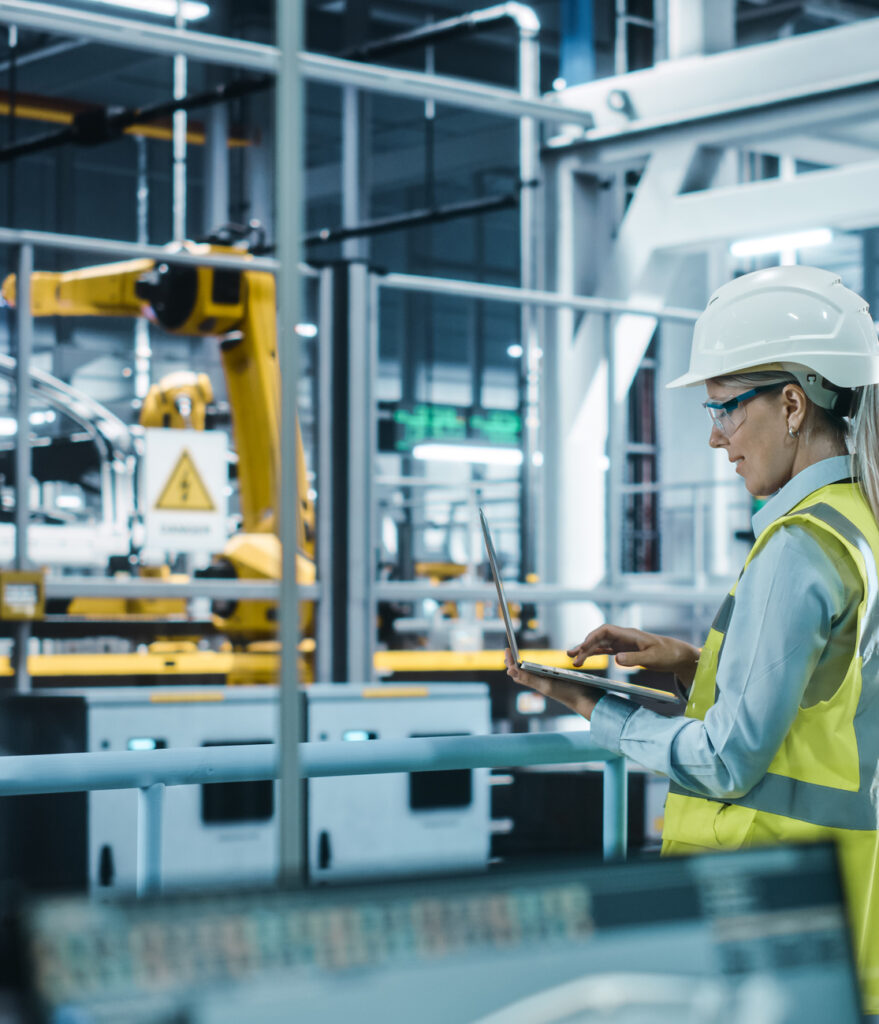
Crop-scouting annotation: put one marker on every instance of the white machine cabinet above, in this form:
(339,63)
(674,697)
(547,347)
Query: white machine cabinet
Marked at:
(227,833)
(369,826)
(210,834)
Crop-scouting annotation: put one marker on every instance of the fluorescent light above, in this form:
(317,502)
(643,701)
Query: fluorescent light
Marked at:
(780,243)
(559,84)
(306,330)
(192,9)
(69,501)
(8,426)
(514,351)
(434,452)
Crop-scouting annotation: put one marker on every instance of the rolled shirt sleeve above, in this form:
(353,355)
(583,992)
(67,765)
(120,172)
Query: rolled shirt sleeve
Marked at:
(795,593)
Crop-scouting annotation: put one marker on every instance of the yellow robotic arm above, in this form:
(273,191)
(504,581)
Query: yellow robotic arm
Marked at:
(239,309)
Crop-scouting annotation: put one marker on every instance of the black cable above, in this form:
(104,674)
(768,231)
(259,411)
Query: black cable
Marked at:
(103,124)
(415,218)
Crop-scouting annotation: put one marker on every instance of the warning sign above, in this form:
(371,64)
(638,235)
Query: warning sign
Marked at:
(184,491)
(185,488)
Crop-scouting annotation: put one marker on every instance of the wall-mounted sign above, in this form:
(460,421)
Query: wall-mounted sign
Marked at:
(401,428)
(183,490)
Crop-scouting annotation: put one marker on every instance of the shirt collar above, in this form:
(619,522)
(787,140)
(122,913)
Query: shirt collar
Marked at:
(819,474)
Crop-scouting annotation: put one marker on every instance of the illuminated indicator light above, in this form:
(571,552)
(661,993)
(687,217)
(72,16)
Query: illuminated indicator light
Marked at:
(192,9)
(357,735)
(530,703)
(186,698)
(142,743)
(396,691)
(432,452)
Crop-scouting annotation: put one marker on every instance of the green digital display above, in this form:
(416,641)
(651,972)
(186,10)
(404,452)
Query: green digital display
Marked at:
(402,428)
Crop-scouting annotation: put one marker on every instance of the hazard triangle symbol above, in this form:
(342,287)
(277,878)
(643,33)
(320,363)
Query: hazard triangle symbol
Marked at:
(185,488)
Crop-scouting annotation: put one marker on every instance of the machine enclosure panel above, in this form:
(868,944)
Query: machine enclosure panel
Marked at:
(366,826)
(372,830)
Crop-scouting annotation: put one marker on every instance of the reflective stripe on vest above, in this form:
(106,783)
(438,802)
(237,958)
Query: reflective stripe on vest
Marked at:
(793,798)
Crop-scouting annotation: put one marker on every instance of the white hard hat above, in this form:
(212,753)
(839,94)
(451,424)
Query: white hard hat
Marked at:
(786,318)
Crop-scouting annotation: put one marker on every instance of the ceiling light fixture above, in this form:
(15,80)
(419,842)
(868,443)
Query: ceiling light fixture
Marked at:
(431,451)
(193,10)
(782,243)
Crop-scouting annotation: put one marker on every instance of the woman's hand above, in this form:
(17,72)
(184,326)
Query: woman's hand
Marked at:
(580,699)
(634,647)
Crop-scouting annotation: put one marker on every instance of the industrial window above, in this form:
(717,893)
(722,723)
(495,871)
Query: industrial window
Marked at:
(640,540)
(227,803)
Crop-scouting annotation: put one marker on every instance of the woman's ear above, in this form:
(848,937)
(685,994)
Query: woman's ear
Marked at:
(795,405)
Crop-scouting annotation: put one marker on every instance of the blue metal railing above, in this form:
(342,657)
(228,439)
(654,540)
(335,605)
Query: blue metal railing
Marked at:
(149,771)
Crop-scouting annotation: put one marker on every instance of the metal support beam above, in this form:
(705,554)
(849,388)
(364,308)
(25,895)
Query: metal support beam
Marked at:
(842,197)
(127,33)
(326,648)
(288,178)
(132,250)
(353,342)
(529,86)
(615,811)
(150,802)
(24,344)
(773,88)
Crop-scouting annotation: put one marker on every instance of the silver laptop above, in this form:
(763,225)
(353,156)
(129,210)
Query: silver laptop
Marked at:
(571,674)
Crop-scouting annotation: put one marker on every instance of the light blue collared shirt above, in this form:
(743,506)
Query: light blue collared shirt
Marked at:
(789,643)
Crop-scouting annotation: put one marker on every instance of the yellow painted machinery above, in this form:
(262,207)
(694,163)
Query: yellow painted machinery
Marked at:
(238,308)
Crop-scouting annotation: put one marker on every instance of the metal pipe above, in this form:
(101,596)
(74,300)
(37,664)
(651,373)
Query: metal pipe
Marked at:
(507,293)
(615,810)
(288,200)
(114,586)
(151,770)
(133,250)
(521,15)
(683,594)
(150,800)
(127,33)
(141,769)
(137,35)
(416,85)
(24,344)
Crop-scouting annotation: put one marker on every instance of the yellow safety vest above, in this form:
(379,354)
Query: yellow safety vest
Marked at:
(823,782)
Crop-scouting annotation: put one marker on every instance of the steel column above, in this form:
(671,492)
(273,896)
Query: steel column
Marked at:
(361,372)
(24,344)
(216,185)
(529,86)
(150,800)
(615,456)
(288,183)
(326,647)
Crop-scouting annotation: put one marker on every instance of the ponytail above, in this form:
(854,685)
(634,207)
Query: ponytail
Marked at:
(865,433)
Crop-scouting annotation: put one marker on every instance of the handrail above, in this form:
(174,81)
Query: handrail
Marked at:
(149,771)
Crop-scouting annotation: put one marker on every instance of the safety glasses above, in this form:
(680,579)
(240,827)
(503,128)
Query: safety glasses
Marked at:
(728,416)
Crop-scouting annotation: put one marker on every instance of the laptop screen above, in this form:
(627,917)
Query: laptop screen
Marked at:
(505,611)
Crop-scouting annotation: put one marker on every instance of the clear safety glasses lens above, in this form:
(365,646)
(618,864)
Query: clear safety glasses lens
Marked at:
(728,416)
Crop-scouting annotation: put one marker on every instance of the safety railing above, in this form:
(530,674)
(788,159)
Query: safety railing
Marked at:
(150,771)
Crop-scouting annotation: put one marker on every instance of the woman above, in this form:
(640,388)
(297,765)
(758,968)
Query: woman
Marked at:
(780,737)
